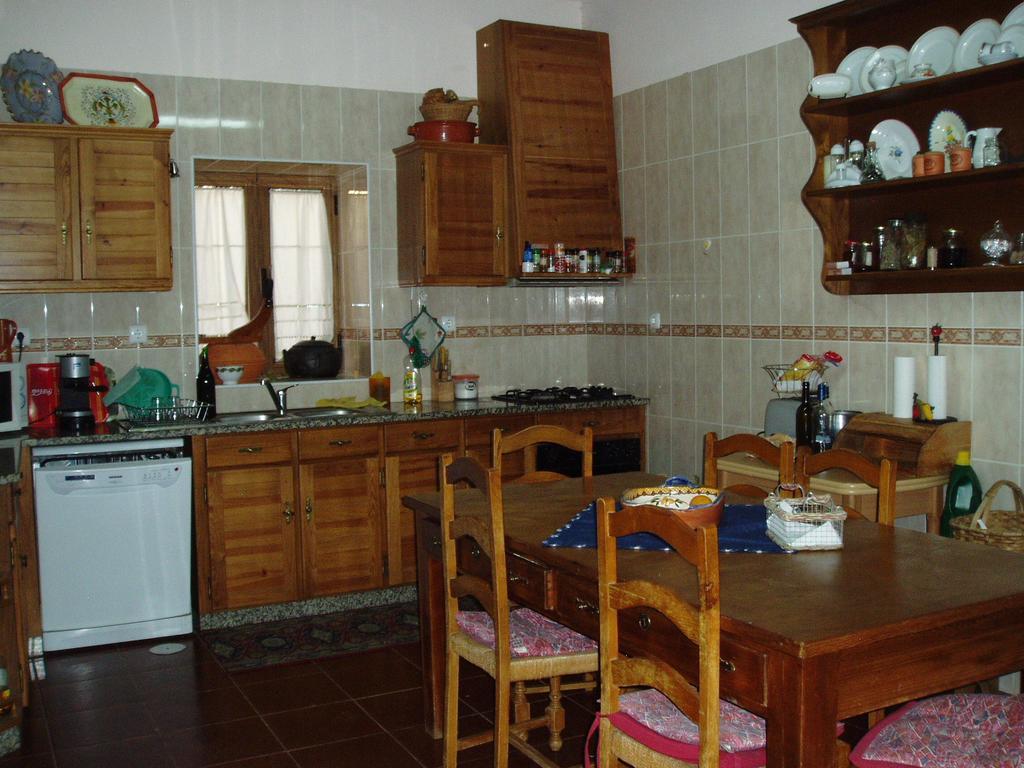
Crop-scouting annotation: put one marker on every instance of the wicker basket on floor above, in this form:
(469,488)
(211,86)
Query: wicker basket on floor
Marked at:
(995,527)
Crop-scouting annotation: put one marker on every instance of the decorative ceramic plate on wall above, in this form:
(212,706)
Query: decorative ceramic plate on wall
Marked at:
(896,145)
(121,102)
(30,82)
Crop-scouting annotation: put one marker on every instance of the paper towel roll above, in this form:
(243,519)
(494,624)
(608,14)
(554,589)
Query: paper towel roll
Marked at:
(937,385)
(903,388)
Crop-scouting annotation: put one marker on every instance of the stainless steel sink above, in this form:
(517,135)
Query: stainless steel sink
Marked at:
(252,417)
(326,413)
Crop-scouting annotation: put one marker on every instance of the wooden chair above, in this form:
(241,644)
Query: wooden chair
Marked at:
(779,456)
(510,645)
(672,720)
(880,475)
(527,440)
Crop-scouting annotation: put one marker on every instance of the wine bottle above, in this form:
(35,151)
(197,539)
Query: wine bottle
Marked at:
(206,387)
(806,420)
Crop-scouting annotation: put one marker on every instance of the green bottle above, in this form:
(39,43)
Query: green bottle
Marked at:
(963,494)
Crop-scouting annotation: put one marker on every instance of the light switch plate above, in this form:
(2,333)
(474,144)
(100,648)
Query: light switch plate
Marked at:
(655,321)
(448,323)
(137,334)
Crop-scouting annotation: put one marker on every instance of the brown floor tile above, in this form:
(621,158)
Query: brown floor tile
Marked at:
(98,726)
(410,652)
(17,760)
(379,750)
(370,674)
(88,664)
(430,751)
(306,690)
(244,677)
(278,760)
(148,751)
(191,710)
(62,698)
(321,725)
(176,681)
(478,692)
(221,743)
(396,710)
(139,659)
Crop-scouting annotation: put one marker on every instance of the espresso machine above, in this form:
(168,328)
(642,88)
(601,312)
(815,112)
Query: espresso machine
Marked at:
(75,416)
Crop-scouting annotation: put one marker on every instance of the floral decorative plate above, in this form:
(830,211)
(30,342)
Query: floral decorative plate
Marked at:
(678,497)
(29,82)
(947,129)
(121,102)
(896,145)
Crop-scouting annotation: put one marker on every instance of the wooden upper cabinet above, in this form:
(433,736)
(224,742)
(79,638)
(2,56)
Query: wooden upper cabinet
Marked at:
(451,213)
(84,209)
(546,92)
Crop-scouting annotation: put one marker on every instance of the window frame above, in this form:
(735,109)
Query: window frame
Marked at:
(256,188)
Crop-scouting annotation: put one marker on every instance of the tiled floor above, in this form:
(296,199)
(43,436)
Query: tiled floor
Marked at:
(122,706)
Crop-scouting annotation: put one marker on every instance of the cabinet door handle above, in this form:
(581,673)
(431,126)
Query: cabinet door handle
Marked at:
(475,552)
(88,232)
(309,510)
(727,666)
(500,234)
(422,435)
(586,606)
(644,621)
(251,449)
(64,233)
(289,513)
(591,423)
(340,442)
(515,578)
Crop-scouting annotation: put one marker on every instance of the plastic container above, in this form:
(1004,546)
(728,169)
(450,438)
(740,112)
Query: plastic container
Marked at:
(963,494)
(466,386)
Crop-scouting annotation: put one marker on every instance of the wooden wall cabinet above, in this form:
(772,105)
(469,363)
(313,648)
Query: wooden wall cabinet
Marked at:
(969,201)
(452,214)
(84,209)
(546,92)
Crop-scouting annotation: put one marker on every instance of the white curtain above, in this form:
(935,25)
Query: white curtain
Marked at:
(300,255)
(220,259)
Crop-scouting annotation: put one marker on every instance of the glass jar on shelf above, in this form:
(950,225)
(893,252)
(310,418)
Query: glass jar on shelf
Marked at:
(1017,254)
(995,244)
(894,246)
(952,252)
(913,255)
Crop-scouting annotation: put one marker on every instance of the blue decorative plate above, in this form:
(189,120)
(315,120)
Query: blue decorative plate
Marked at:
(30,83)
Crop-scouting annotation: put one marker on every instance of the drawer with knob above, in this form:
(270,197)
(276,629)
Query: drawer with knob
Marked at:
(336,442)
(441,434)
(602,421)
(249,449)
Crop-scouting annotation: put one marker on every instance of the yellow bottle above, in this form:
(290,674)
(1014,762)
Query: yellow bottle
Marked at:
(412,388)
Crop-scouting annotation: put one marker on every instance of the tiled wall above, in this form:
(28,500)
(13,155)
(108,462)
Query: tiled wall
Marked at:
(711,167)
(509,336)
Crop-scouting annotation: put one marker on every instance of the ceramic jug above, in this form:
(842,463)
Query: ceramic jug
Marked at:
(882,74)
(976,140)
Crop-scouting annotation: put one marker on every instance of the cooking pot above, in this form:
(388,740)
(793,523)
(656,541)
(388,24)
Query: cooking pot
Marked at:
(840,419)
(312,360)
(444,130)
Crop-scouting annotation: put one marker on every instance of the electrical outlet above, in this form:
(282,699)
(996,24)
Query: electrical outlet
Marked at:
(137,334)
(448,323)
(655,321)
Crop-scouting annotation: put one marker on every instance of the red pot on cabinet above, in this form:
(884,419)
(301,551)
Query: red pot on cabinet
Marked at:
(444,130)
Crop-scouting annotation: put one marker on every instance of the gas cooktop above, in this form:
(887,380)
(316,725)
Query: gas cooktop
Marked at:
(560,395)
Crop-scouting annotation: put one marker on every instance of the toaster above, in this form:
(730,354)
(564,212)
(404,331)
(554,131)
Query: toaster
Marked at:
(780,416)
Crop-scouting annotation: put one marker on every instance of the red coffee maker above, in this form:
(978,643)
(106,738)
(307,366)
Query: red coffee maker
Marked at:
(44,390)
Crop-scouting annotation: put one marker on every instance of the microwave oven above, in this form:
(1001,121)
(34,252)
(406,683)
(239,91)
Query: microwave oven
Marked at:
(13,397)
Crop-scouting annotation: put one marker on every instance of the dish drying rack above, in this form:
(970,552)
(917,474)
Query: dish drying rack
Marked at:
(787,381)
(185,412)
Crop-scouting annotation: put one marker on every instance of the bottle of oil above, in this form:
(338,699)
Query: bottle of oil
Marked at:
(412,387)
(963,494)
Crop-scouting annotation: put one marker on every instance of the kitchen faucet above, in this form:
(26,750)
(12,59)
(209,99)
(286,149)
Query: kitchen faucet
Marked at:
(279,396)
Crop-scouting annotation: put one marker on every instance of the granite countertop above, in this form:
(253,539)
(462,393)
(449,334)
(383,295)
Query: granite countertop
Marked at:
(117,431)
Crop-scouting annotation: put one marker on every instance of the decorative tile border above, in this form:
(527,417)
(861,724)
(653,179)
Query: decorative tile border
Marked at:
(996,337)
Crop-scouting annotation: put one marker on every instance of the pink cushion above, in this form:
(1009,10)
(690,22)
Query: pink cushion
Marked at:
(649,717)
(952,731)
(532,634)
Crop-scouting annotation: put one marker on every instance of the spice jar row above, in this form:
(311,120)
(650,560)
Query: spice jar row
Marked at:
(902,244)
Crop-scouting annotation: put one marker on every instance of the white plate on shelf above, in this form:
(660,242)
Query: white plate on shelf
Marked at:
(1016,16)
(996,58)
(935,47)
(896,145)
(947,128)
(969,45)
(897,54)
(853,64)
(1013,34)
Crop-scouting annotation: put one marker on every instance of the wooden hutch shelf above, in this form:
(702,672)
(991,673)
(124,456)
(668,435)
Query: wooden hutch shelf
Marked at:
(969,201)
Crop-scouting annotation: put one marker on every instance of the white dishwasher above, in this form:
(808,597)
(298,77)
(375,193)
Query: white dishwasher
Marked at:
(115,535)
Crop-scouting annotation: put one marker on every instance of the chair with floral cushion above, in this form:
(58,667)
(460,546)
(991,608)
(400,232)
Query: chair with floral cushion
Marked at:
(510,645)
(529,439)
(960,730)
(778,456)
(651,713)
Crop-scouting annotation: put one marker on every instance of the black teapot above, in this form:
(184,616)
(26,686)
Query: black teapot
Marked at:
(312,360)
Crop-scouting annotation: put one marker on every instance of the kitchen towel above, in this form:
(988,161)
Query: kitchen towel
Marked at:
(903,388)
(937,385)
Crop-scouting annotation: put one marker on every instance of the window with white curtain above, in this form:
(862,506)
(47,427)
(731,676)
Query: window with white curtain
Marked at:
(300,257)
(220,259)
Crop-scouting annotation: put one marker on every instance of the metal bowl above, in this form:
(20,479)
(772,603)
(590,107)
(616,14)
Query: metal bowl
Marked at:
(840,419)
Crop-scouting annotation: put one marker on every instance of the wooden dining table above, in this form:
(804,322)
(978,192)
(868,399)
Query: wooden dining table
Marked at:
(808,638)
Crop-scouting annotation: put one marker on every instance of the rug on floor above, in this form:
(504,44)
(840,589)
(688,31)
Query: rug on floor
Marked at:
(314,637)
